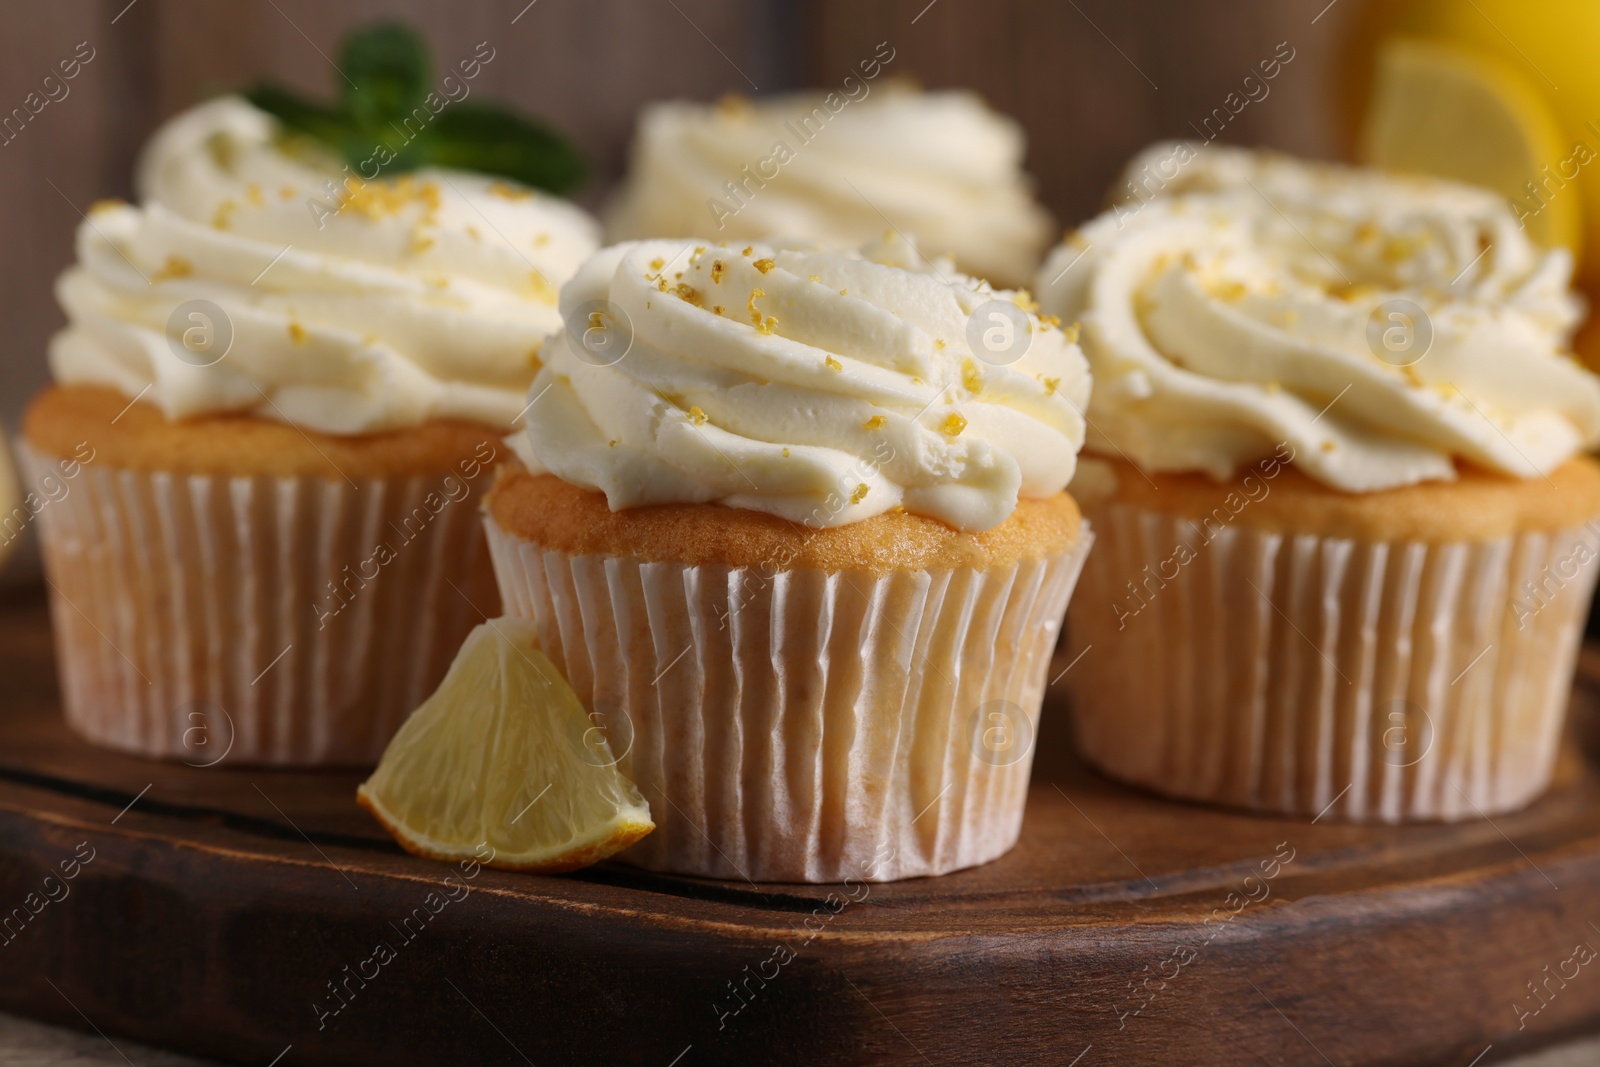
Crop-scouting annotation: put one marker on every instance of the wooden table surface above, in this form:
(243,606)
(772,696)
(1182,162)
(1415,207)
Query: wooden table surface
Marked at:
(25,1043)
(221,902)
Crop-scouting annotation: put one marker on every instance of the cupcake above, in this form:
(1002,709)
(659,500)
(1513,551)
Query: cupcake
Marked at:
(837,169)
(284,391)
(1347,534)
(795,532)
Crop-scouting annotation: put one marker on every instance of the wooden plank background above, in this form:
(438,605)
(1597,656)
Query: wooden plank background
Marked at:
(1091,80)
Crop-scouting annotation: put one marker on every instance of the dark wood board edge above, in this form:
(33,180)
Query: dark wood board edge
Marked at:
(202,949)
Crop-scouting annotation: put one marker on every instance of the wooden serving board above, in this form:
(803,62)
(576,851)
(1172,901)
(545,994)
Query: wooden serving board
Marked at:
(229,912)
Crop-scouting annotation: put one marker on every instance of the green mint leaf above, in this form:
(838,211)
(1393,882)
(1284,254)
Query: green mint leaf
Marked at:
(390,68)
(492,140)
(385,112)
(408,154)
(326,124)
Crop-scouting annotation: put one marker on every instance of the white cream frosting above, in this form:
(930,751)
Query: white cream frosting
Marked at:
(424,296)
(1225,307)
(940,167)
(821,387)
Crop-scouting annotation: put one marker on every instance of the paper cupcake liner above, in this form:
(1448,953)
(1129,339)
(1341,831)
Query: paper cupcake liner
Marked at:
(803,726)
(1305,675)
(253,619)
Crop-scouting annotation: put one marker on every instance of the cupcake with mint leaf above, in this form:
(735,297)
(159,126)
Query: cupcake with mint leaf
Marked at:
(294,361)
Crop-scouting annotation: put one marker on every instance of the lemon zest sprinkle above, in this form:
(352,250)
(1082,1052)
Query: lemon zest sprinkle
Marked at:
(174,267)
(971,379)
(763,325)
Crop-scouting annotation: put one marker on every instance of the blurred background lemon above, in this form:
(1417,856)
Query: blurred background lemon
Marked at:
(1500,93)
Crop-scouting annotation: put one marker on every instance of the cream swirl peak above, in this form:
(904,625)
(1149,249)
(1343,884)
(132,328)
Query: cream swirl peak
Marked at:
(1383,327)
(821,167)
(423,296)
(821,387)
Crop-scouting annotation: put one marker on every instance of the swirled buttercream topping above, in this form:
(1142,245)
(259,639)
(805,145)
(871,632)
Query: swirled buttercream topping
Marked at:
(942,167)
(1384,328)
(821,387)
(253,278)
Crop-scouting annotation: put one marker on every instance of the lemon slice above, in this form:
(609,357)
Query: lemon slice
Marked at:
(1453,112)
(504,755)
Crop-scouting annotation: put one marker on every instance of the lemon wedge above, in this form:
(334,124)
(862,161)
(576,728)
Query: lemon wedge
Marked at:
(1453,112)
(504,755)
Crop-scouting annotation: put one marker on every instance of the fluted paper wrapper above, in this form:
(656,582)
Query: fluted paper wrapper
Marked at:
(803,726)
(194,617)
(1305,675)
